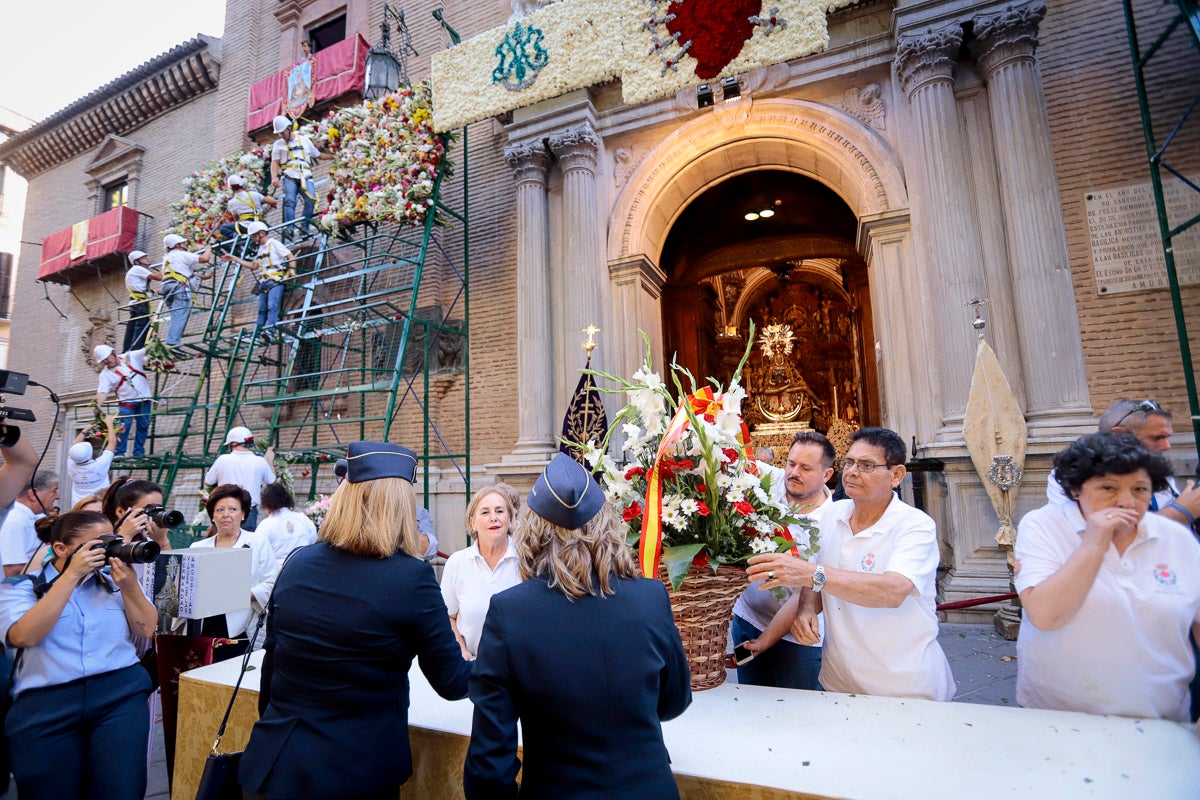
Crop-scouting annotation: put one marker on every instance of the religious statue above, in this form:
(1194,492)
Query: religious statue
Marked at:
(782,394)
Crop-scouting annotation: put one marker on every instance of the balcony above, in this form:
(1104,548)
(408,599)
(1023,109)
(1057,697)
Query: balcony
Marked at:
(339,69)
(89,247)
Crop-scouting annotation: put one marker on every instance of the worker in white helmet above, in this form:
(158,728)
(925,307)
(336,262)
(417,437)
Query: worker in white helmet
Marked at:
(125,376)
(89,472)
(180,279)
(245,206)
(137,281)
(292,159)
(243,467)
(272,266)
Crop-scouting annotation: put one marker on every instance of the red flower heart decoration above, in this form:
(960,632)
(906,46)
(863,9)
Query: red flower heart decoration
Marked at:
(717,29)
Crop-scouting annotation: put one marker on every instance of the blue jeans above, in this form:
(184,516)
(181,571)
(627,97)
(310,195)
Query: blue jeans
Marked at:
(131,412)
(250,523)
(785,665)
(292,192)
(269,297)
(86,738)
(178,297)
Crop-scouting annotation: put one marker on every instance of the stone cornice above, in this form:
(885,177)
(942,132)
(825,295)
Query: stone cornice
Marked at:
(529,162)
(930,56)
(161,84)
(1011,34)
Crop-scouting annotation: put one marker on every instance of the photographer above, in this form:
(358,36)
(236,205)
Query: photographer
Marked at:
(79,724)
(128,499)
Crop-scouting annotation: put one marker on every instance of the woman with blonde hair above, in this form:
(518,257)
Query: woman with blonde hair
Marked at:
(488,566)
(584,654)
(347,617)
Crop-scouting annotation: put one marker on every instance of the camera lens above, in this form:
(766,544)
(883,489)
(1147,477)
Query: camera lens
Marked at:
(164,517)
(131,552)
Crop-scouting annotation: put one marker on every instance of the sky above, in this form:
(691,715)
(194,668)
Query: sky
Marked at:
(53,52)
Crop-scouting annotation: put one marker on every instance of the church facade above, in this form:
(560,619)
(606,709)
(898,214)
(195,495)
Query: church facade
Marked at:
(934,162)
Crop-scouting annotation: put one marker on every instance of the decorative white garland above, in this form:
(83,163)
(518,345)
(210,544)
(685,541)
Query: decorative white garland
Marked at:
(573,44)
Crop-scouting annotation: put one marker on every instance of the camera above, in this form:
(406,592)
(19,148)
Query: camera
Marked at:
(163,517)
(130,552)
(12,383)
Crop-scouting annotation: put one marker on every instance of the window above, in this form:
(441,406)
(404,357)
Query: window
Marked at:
(116,195)
(327,33)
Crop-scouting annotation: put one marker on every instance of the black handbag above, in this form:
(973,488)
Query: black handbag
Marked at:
(219,780)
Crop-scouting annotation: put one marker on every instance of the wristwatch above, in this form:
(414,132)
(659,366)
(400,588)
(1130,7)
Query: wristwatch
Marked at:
(819,579)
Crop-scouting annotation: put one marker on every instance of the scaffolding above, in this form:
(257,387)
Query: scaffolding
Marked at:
(1181,20)
(371,343)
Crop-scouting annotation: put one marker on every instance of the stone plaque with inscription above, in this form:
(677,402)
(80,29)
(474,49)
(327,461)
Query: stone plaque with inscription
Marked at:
(1127,251)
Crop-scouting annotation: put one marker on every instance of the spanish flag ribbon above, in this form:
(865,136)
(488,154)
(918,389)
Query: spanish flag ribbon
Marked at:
(704,404)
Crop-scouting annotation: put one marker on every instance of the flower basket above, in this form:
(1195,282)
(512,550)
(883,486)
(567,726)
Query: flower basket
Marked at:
(702,607)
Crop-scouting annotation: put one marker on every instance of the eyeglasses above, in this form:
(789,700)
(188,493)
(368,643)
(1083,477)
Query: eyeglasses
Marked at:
(864,467)
(1144,406)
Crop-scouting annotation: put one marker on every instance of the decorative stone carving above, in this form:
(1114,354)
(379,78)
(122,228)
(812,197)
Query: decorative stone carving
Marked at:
(929,56)
(529,163)
(866,103)
(578,148)
(626,160)
(101,332)
(523,8)
(1011,34)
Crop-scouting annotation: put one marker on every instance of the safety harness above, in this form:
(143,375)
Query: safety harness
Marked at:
(248,199)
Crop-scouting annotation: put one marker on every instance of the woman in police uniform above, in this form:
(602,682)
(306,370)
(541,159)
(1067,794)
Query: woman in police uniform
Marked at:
(347,617)
(79,724)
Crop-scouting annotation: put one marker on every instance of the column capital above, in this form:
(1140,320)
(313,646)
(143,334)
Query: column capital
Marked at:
(1009,35)
(928,57)
(529,162)
(577,148)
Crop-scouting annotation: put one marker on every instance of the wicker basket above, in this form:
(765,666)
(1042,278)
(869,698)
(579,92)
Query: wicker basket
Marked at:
(702,609)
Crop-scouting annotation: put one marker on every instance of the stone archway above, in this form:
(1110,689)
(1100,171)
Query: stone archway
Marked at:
(812,140)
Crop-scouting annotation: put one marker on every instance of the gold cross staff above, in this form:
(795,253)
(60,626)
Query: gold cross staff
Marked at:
(590,344)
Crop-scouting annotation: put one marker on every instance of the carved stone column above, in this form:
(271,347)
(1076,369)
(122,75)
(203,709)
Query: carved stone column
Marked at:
(583,272)
(535,361)
(1048,325)
(925,66)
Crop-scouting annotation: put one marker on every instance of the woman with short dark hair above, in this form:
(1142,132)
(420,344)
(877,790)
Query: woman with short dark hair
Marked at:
(1109,591)
(584,653)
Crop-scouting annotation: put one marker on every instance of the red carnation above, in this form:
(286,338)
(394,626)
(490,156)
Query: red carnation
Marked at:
(701,488)
(743,508)
(634,472)
(730,454)
(702,508)
(633,512)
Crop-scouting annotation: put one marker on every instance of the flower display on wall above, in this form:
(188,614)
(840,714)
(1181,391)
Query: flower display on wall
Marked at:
(689,489)
(202,209)
(386,158)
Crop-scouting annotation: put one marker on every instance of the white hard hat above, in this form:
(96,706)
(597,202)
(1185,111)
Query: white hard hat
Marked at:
(255,226)
(238,434)
(134,255)
(281,124)
(237,180)
(101,352)
(172,240)
(80,452)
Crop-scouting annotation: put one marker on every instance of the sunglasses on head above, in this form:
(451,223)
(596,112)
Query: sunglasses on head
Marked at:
(1144,406)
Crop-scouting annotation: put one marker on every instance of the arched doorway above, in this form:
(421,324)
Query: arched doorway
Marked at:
(777,248)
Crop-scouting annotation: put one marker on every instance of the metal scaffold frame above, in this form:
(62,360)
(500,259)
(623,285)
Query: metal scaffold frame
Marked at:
(373,332)
(1184,22)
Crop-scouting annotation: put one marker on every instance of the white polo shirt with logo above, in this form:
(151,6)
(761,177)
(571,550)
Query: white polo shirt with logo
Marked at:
(893,652)
(1126,650)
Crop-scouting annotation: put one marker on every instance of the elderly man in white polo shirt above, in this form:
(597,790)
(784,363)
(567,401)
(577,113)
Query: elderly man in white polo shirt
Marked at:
(875,579)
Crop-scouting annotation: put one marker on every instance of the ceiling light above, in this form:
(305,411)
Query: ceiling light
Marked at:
(704,96)
(730,88)
(753,215)
(766,213)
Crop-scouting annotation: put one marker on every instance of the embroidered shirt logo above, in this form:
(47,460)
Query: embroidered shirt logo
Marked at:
(868,563)
(1164,574)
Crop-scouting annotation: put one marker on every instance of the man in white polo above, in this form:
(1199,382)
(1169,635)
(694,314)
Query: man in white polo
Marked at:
(875,579)
(243,467)
(125,376)
(18,539)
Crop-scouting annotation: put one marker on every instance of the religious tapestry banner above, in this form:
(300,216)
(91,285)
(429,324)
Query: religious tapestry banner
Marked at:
(655,47)
(330,73)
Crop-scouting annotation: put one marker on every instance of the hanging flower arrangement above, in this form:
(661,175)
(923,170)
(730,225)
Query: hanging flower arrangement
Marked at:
(690,490)
(202,208)
(317,509)
(159,357)
(386,158)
